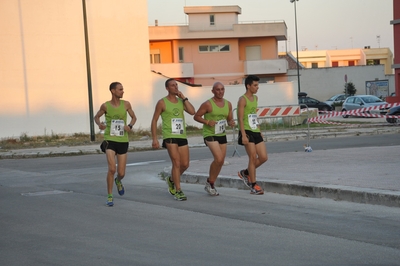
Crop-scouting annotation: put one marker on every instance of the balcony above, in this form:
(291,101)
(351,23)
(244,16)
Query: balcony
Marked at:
(257,67)
(175,70)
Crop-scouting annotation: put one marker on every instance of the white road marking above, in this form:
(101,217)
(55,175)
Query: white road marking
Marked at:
(44,193)
(145,163)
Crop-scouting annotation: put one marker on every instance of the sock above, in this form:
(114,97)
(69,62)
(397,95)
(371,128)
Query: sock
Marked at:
(246,172)
(110,195)
(211,183)
(253,184)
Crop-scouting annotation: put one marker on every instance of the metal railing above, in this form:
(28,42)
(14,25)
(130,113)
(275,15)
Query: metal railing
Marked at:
(273,121)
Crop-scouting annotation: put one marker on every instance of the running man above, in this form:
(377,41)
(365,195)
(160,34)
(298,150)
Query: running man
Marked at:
(214,114)
(171,109)
(250,135)
(116,140)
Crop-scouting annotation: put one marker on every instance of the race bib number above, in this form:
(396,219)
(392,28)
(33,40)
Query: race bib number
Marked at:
(117,128)
(177,125)
(220,127)
(253,122)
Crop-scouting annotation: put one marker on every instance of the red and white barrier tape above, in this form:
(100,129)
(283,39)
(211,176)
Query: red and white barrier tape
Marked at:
(356,112)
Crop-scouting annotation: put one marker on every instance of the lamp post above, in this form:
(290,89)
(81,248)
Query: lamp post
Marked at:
(297,44)
(89,80)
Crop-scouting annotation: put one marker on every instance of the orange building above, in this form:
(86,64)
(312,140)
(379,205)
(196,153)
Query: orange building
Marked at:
(215,46)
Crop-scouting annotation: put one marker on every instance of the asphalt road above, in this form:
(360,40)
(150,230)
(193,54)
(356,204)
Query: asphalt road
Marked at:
(53,213)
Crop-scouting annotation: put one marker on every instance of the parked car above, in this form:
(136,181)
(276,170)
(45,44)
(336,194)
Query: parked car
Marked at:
(312,103)
(336,99)
(393,111)
(363,101)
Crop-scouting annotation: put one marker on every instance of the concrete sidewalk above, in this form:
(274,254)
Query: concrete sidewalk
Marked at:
(362,175)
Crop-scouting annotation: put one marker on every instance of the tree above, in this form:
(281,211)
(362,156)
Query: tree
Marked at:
(349,88)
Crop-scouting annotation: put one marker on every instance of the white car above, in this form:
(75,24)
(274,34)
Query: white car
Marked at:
(363,101)
(336,99)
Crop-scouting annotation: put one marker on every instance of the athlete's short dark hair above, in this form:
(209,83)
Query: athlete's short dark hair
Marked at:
(250,79)
(114,85)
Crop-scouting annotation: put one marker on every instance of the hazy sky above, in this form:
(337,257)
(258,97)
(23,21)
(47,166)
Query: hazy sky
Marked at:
(321,24)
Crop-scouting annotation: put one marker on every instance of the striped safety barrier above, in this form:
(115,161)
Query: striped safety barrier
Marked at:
(278,111)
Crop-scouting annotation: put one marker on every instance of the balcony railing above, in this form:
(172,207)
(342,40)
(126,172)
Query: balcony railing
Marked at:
(273,66)
(175,70)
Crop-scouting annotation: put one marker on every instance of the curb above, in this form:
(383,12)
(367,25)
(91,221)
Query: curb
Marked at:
(295,188)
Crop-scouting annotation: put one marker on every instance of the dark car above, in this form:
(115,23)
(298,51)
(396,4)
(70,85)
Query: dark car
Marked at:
(393,111)
(309,102)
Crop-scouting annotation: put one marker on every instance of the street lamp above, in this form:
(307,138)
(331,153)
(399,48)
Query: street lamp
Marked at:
(297,44)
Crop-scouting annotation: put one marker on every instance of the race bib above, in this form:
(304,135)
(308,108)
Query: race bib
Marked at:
(253,122)
(117,128)
(220,127)
(177,125)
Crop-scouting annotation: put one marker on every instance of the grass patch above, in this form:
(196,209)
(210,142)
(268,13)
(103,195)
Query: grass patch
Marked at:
(24,141)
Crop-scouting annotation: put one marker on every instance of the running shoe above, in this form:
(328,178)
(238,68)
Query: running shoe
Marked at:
(110,202)
(171,185)
(211,190)
(120,187)
(244,177)
(256,190)
(179,195)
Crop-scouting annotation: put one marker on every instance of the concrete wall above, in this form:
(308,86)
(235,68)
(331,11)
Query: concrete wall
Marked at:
(43,66)
(322,83)
(275,94)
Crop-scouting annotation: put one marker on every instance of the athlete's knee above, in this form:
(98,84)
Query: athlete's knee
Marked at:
(184,166)
(112,168)
(219,160)
(253,157)
(263,158)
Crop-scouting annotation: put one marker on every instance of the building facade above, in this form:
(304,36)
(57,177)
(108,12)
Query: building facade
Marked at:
(214,46)
(346,57)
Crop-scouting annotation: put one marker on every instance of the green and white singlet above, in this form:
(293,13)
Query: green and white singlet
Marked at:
(116,120)
(173,120)
(218,114)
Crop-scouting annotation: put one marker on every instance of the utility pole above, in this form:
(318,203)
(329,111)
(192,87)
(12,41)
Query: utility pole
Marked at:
(89,79)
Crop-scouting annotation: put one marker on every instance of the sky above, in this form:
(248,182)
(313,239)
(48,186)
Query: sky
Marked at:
(321,24)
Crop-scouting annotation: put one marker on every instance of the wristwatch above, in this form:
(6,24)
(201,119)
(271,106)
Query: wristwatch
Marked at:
(186,99)
(130,126)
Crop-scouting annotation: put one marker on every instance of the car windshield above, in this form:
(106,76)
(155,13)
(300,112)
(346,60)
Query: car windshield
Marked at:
(332,98)
(371,99)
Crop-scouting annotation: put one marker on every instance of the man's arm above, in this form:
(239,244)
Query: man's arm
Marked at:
(198,116)
(157,112)
(229,119)
(99,114)
(240,108)
(187,106)
(131,113)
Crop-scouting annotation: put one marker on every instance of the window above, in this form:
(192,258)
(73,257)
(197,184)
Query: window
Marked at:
(214,48)
(351,63)
(373,62)
(335,64)
(314,65)
(180,52)
(212,20)
(155,57)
